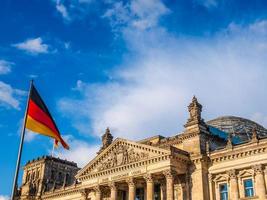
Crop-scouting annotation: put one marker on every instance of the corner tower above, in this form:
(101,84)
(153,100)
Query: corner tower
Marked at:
(45,174)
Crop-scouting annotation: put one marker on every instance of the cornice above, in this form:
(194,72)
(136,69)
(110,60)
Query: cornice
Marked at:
(62,192)
(128,166)
(236,153)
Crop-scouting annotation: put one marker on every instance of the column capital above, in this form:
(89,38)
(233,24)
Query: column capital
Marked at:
(169,173)
(258,169)
(232,174)
(130,181)
(97,189)
(84,193)
(112,185)
(210,176)
(148,177)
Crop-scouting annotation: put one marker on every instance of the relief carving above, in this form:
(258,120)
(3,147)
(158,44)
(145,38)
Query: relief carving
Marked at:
(122,155)
(258,169)
(232,174)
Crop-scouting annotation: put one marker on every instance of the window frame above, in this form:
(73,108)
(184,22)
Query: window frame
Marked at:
(252,187)
(223,192)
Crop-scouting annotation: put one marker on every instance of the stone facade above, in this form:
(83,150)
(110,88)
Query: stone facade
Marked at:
(204,162)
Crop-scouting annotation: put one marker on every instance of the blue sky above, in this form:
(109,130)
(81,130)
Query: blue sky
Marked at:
(132,66)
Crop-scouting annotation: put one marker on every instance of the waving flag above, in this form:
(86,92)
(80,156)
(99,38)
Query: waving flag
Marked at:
(39,119)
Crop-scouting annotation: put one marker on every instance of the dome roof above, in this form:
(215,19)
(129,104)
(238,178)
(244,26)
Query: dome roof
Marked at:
(238,126)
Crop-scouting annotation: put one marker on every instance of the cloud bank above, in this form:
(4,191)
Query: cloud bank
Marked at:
(149,92)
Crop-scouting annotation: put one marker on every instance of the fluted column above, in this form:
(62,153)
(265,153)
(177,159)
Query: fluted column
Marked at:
(97,193)
(234,193)
(149,187)
(131,186)
(113,191)
(162,191)
(259,179)
(169,175)
(210,176)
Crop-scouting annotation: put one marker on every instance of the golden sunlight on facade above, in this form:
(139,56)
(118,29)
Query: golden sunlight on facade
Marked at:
(222,159)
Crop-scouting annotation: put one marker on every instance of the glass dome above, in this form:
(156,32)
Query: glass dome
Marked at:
(238,126)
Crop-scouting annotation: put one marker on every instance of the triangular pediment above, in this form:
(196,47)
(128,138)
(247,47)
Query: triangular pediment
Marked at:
(121,152)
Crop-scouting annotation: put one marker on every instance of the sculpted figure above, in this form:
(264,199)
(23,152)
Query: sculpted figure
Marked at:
(125,158)
(114,159)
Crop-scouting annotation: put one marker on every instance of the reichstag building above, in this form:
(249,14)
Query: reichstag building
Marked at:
(221,159)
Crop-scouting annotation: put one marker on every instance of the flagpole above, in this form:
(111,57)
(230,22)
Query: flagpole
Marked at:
(13,194)
(53,149)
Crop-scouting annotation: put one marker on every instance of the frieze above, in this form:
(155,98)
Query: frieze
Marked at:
(122,155)
(120,176)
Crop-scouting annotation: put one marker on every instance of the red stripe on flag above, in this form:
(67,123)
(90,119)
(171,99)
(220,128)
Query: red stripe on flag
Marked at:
(39,115)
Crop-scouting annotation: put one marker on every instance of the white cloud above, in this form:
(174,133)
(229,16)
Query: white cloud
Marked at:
(30,136)
(62,10)
(34,46)
(9,96)
(73,9)
(5,67)
(80,151)
(4,197)
(137,14)
(150,91)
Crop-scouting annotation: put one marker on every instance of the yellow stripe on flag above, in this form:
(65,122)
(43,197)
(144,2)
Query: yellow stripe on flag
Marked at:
(37,127)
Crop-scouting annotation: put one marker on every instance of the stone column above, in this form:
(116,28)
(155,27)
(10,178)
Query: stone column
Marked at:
(169,175)
(113,191)
(234,193)
(149,187)
(131,186)
(97,193)
(162,191)
(259,179)
(84,194)
(210,176)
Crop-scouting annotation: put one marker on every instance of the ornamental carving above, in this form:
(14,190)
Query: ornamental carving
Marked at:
(113,186)
(148,178)
(258,169)
(122,155)
(84,193)
(130,182)
(168,174)
(232,174)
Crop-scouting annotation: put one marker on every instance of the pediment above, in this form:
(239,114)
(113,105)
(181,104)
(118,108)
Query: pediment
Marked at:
(121,152)
(220,177)
(246,173)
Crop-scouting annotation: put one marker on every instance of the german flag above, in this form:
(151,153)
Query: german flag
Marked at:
(39,119)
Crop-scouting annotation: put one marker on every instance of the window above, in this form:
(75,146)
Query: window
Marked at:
(223,191)
(248,186)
